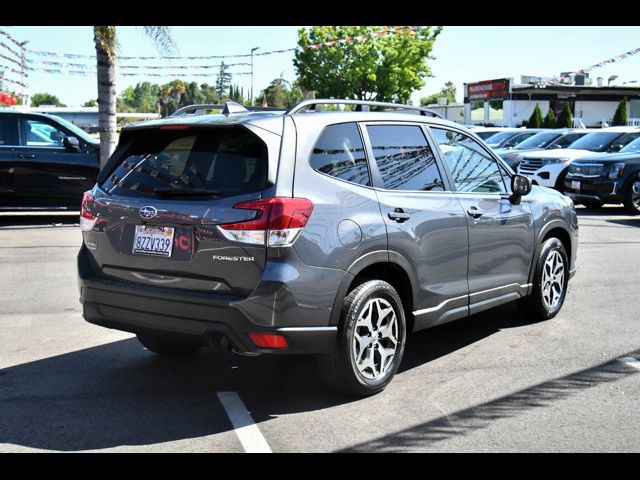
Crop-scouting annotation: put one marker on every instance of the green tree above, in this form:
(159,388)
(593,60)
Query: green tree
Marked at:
(280,94)
(91,103)
(104,37)
(384,68)
(550,119)
(565,119)
(223,81)
(45,99)
(535,120)
(448,92)
(620,117)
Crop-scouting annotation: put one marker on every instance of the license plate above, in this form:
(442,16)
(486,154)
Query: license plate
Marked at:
(575,185)
(151,240)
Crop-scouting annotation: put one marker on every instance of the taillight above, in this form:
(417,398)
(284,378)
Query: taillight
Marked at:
(268,340)
(278,223)
(87,220)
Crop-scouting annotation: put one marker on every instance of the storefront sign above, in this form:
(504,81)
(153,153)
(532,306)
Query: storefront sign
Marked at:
(488,90)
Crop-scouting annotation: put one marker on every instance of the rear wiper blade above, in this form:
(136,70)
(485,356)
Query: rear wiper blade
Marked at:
(185,192)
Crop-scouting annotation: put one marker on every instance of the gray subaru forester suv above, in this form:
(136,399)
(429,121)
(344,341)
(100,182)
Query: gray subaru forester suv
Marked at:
(333,233)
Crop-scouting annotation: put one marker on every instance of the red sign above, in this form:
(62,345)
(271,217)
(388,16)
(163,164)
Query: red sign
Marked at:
(488,90)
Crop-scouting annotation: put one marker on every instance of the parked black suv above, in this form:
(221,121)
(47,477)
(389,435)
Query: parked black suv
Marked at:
(327,233)
(45,162)
(607,178)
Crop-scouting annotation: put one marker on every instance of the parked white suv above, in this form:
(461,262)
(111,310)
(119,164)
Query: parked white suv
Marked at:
(549,167)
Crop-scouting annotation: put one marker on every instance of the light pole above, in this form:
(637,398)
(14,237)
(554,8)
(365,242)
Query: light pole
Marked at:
(252,50)
(611,79)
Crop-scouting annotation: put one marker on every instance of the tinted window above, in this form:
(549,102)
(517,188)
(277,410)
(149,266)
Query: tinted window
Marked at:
(227,161)
(501,138)
(36,133)
(339,152)
(632,147)
(517,139)
(539,140)
(6,135)
(472,169)
(566,140)
(404,158)
(596,142)
(626,138)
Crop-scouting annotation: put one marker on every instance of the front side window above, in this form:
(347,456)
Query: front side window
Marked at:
(339,152)
(566,140)
(472,168)
(404,158)
(36,133)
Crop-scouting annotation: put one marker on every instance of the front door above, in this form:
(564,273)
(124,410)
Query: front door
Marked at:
(426,226)
(501,233)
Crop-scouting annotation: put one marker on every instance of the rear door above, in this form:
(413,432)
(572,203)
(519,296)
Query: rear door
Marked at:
(424,220)
(501,234)
(177,186)
(49,174)
(8,159)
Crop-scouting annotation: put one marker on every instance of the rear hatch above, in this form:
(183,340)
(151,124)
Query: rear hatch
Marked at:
(158,209)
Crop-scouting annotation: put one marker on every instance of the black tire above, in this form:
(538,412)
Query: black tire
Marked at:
(167,347)
(338,368)
(631,198)
(591,204)
(533,307)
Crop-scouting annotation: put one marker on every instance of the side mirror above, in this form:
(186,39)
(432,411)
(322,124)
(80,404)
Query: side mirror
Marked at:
(71,143)
(520,186)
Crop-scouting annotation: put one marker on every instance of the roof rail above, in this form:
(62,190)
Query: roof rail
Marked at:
(362,106)
(227,108)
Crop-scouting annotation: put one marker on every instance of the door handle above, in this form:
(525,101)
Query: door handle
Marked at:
(475,212)
(399,215)
(25,156)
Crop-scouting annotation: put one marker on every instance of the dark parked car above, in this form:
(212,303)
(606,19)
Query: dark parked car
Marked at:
(607,178)
(45,162)
(545,140)
(326,233)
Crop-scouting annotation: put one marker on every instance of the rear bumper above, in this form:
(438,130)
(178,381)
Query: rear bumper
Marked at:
(191,317)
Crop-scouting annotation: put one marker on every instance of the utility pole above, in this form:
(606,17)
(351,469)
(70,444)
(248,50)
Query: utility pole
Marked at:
(252,50)
(23,67)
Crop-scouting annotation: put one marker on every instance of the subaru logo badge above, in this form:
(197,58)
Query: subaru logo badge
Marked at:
(148,212)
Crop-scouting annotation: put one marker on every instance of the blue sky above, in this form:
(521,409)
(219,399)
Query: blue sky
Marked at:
(463,54)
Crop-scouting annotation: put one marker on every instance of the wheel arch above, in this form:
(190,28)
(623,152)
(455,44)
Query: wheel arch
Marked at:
(555,229)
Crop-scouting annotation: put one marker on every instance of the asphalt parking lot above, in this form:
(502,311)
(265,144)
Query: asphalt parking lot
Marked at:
(492,382)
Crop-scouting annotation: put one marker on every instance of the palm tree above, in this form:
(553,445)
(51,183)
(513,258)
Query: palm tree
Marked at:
(106,49)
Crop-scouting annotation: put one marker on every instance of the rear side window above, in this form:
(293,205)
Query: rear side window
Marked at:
(225,162)
(339,152)
(404,158)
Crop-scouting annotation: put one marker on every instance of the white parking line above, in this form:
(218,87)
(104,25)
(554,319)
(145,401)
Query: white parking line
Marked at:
(247,431)
(631,361)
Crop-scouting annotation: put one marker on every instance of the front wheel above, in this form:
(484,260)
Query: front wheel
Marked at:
(632,197)
(370,342)
(550,283)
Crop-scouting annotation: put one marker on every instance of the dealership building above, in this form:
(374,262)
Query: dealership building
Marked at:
(503,103)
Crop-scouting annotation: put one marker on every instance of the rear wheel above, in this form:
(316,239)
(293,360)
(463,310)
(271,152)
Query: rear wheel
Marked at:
(592,204)
(550,283)
(370,343)
(167,347)
(632,197)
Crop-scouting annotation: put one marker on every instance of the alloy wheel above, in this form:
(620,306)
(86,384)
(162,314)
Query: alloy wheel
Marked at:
(553,280)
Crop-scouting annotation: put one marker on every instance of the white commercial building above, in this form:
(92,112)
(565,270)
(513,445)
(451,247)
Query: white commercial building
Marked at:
(502,103)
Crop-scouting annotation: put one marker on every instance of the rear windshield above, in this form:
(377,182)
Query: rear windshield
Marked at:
(226,162)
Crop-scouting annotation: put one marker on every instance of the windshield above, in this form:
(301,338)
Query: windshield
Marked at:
(596,142)
(499,138)
(539,140)
(75,129)
(633,147)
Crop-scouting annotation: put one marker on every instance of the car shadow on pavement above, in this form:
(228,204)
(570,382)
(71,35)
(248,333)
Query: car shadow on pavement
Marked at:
(37,221)
(606,211)
(468,420)
(120,394)
(632,222)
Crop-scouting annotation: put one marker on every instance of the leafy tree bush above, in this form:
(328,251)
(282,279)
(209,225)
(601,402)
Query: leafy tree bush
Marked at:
(565,119)
(550,120)
(535,120)
(45,99)
(448,92)
(620,117)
